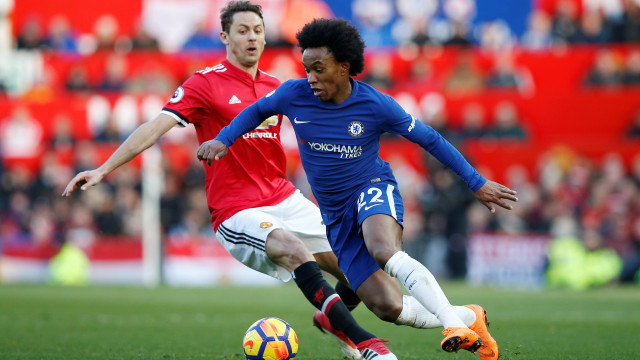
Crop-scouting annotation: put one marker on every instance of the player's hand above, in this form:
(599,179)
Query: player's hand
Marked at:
(83,180)
(493,193)
(212,149)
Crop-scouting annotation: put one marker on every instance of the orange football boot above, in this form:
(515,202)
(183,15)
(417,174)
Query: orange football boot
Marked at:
(489,348)
(457,338)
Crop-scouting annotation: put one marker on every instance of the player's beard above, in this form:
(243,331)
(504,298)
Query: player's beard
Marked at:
(248,59)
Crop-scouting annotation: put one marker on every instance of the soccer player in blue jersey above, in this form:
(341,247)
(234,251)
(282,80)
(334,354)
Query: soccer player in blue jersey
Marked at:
(338,122)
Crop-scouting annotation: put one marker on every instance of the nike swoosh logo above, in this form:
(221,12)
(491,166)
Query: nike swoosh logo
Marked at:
(295,120)
(369,207)
(488,353)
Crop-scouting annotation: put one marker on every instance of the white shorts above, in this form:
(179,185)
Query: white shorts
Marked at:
(245,233)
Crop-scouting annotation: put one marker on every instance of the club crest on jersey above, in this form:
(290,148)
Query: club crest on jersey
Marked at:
(271,121)
(265,225)
(177,95)
(355,129)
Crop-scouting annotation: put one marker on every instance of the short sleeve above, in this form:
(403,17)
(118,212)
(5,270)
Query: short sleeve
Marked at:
(189,102)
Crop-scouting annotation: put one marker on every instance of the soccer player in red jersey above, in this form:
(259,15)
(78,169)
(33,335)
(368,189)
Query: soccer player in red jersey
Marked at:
(258,215)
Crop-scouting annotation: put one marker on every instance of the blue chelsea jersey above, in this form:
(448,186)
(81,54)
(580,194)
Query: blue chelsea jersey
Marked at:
(339,143)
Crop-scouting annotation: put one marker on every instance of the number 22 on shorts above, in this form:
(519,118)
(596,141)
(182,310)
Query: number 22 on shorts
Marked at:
(374,196)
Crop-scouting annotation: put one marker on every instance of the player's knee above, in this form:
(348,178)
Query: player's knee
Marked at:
(386,309)
(287,250)
(299,253)
(382,254)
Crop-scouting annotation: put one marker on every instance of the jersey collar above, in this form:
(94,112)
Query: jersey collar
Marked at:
(241,74)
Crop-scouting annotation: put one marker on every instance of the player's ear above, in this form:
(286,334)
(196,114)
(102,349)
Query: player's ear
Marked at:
(344,68)
(224,37)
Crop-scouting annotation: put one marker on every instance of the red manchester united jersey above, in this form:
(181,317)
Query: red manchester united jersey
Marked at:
(253,172)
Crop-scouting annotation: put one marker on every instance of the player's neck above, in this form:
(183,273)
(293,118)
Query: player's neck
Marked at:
(251,70)
(344,93)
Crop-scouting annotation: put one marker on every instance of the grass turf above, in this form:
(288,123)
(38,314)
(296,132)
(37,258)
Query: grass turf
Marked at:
(43,322)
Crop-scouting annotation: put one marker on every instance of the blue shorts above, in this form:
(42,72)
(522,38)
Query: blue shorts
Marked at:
(345,234)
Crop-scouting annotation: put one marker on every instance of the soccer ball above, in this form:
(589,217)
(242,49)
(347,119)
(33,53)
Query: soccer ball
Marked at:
(270,339)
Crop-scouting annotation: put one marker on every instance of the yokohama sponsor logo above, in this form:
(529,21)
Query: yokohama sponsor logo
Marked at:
(345,151)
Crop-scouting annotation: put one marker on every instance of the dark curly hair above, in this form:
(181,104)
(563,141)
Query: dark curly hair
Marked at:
(233,7)
(341,38)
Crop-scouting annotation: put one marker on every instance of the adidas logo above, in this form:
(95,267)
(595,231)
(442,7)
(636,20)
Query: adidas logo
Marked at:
(234,100)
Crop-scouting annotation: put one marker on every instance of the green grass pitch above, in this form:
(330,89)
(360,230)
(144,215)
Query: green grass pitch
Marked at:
(44,322)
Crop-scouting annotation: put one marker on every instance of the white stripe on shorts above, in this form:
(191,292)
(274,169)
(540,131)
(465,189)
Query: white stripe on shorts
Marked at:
(392,204)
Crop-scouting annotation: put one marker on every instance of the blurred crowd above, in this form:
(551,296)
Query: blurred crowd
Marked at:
(33,213)
(566,194)
(383,23)
(413,28)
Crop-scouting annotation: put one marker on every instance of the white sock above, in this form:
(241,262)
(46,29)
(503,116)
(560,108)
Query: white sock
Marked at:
(415,315)
(423,286)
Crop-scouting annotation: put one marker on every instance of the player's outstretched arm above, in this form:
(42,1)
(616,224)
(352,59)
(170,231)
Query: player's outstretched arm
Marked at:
(493,193)
(142,138)
(212,150)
